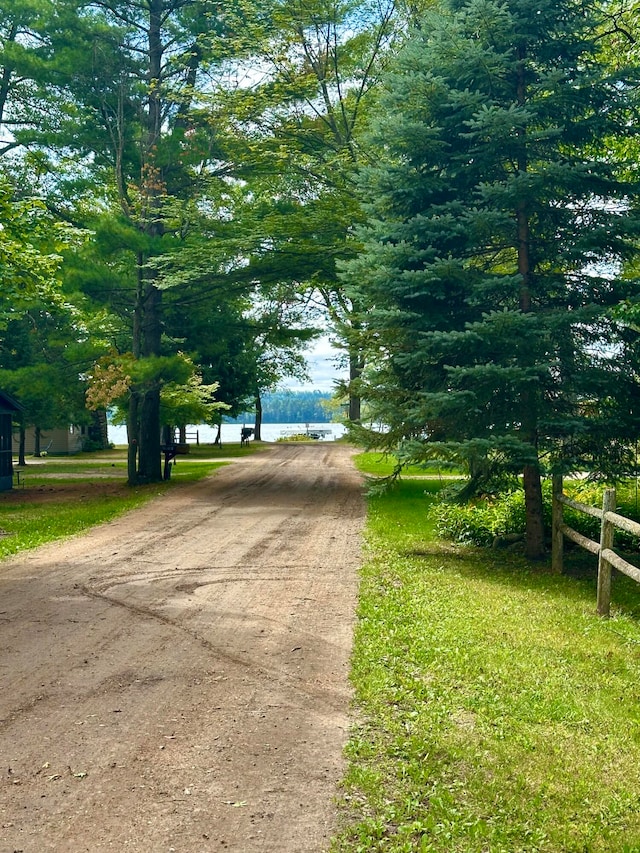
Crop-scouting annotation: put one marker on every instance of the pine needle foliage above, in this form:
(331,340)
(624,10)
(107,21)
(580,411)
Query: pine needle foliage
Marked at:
(498,224)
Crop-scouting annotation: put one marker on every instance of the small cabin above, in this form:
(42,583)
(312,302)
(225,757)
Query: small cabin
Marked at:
(60,441)
(9,406)
(64,441)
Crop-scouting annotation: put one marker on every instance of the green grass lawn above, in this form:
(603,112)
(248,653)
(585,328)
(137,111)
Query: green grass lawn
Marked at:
(53,502)
(495,712)
(26,524)
(376,464)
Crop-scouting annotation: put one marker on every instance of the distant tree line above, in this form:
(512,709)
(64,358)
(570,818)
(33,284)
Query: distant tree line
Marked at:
(291,407)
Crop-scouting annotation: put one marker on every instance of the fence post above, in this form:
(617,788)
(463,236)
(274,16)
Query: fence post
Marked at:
(557,520)
(607,531)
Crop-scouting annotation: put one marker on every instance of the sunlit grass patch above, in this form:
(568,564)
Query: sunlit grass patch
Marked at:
(27,525)
(494,710)
(378,464)
(60,497)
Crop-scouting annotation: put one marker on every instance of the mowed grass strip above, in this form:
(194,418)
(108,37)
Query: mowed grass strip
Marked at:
(494,710)
(25,524)
(63,496)
(378,464)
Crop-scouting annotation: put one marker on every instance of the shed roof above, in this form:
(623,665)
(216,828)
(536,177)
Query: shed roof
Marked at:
(9,403)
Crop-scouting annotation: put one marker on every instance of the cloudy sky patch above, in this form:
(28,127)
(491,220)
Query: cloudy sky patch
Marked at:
(324,368)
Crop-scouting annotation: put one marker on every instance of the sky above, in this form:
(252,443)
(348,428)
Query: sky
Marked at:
(324,369)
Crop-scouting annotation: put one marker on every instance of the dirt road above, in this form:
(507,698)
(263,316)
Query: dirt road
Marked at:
(176,680)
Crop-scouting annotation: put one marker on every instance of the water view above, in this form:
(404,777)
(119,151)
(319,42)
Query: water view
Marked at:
(203,434)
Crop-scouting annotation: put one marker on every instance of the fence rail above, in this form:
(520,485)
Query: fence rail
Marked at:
(185,436)
(607,557)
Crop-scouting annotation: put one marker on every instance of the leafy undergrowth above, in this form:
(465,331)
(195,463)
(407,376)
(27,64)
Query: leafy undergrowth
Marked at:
(494,710)
(479,522)
(62,496)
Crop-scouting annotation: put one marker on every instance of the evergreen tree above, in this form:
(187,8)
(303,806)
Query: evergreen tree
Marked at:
(497,226)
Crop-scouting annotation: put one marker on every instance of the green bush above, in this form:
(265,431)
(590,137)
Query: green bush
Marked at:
(479,522)
(484,519)
(591,494)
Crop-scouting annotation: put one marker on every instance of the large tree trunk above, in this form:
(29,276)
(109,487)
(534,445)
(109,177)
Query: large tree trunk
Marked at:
(147,323)
(534,539)
(98,431)
(133,438)
(133,417)
(149,461)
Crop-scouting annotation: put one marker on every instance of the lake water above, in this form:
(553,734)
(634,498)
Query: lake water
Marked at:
(231,432)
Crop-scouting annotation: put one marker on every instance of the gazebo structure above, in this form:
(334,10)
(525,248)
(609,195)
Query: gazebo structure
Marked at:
(8,407)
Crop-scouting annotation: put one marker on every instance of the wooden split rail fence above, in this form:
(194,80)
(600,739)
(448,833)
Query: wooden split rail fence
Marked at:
(607,558)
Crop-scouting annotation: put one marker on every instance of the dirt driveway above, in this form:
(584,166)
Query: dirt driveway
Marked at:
(176,680)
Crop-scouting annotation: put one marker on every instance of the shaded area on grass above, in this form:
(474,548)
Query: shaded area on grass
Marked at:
(495,711)
(377,464)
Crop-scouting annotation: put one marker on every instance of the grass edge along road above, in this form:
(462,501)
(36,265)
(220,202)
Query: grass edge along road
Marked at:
(50,507)
(494,711)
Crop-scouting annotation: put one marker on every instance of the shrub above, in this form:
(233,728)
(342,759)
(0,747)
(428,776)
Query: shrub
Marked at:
(484,519)
(591,494)
(479,522)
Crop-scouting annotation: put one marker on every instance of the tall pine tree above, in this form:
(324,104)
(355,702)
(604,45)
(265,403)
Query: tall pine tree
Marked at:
(121,98)
(497,225)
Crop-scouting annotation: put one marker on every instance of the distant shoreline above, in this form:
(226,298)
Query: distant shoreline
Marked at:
(231,432)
